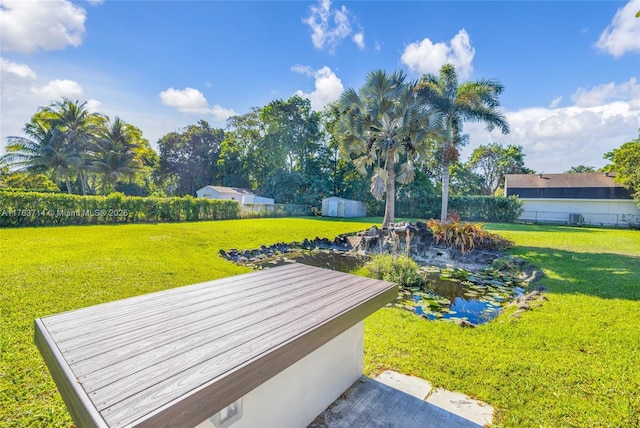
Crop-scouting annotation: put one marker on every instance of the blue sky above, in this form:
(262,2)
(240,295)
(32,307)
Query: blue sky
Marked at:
(570,69)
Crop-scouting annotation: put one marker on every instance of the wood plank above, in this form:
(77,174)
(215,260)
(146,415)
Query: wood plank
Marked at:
(115,313)
(212,396)
(78,403)
(138,374)
(179,356)
(207,329)
(173,315)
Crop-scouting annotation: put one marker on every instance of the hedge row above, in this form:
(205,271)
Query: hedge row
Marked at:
(469,208)
(20,209)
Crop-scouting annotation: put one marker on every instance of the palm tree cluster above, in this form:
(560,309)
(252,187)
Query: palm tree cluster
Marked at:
(391,121)
(68,141)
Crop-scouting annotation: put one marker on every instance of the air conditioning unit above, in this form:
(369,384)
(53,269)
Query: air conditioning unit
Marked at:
(576,219)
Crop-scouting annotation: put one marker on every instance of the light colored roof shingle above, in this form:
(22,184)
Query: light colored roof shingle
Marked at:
(568,180)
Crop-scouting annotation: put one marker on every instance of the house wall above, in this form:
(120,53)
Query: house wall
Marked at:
(294,397)
(616,212)
(208,194)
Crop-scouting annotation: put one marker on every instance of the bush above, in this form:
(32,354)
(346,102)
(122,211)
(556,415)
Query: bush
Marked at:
(470,208)
(25,209)
(400,269)
(466,237)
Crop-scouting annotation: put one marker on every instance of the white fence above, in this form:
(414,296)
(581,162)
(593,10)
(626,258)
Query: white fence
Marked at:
(594,219)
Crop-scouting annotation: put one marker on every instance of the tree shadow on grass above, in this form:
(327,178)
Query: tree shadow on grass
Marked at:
(604,275)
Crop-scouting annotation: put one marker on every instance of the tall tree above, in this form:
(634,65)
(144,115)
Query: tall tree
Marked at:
(244,158)
(44,150)
(119,151)
(386,121)
(626,162)
(464,181)
(189,158)
(581,168)
(491,162)
(469,101)
(77,127)
(293,127)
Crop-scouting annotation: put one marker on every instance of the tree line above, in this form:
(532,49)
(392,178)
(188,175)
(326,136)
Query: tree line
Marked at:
(390,140)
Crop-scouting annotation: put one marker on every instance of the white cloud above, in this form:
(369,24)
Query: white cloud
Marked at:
(192,101)
(598,95)
(555,102)
(623,34)
(330,26)
(303,69)
(358,39)
(57,89)
(22,71)
(186,100)
(555,139)
(429,57)
(21,94)
(328,87)
(27,26)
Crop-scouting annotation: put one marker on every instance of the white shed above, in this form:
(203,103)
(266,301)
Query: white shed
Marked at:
(243,196)
(340,207)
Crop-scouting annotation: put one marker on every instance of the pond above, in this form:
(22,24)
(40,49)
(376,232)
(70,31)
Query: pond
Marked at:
(457,294)
(447,294)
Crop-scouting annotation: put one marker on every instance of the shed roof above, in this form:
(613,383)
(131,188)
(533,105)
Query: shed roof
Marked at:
(567,180)
(231,190)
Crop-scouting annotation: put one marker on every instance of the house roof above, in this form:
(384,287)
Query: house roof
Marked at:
(568,180)
(231,190)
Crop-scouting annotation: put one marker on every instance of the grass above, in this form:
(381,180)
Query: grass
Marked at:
(571,362)
(50,270)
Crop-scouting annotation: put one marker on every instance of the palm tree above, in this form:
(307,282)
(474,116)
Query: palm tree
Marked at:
(382,122)
(42,151)
(78,127)
(469,101)
(115,152)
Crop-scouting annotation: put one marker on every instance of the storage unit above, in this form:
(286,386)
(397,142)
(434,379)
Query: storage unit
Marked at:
(340,207)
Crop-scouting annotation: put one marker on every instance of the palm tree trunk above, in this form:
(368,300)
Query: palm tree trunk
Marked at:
(390,206)
(445,172)
(83,182)
(445,191)
(67,182)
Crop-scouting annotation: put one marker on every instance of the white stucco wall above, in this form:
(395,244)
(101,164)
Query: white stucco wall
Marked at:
(298,394)
(618,212)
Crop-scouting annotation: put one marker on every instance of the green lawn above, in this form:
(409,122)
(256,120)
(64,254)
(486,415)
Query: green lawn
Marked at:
(572,362)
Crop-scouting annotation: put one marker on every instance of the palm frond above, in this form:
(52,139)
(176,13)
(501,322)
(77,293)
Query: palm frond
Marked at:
(379,183)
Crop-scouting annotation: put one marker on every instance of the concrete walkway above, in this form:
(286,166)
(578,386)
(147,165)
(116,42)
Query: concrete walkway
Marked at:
(397,400)
(473,410)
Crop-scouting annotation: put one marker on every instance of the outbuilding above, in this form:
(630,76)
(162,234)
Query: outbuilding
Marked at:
(243,196)
(574,198)
(340,207)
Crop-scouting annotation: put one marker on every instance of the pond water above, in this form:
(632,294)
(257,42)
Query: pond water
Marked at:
(476,297)
(447,294)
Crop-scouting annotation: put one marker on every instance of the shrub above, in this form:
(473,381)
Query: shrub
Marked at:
(22,209)
(466,237)
(470,208)
(400,269)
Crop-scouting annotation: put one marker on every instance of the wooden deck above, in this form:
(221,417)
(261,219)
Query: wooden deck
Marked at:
(176,357)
